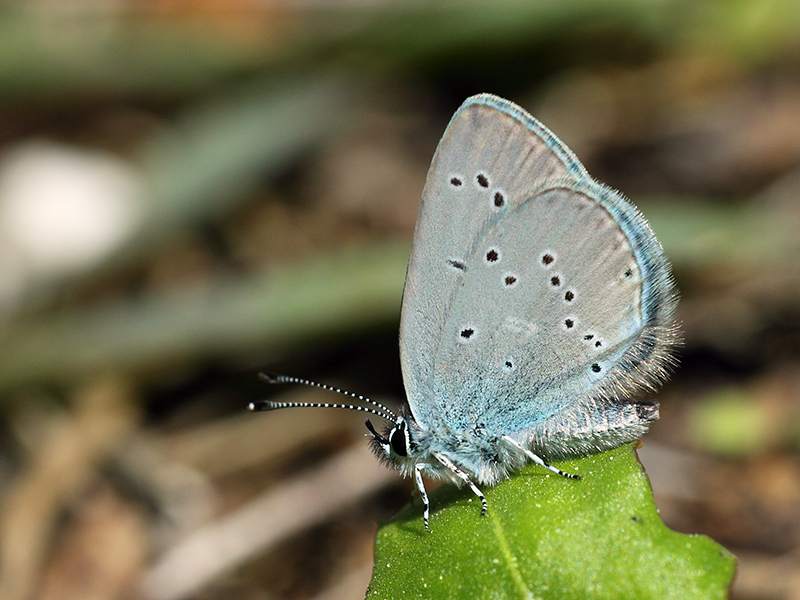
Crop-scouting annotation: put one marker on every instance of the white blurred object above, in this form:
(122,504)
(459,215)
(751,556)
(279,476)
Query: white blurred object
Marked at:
(62,210)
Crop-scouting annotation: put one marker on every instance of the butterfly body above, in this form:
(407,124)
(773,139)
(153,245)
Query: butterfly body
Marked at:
(480,453)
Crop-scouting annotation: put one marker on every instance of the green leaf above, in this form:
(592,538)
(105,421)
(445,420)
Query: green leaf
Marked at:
(548,537)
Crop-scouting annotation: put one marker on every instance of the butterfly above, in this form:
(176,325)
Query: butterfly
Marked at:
(538,306)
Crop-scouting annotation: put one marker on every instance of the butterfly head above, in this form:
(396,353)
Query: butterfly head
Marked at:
(395,443)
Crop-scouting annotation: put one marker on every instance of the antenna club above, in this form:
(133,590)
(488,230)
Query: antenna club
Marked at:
(261,405)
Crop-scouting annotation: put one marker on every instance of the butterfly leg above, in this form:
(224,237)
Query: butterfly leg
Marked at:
(463,476)
(426,506)
(538,459)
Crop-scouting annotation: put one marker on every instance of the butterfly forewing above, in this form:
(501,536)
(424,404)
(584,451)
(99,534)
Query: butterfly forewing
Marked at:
(483,168)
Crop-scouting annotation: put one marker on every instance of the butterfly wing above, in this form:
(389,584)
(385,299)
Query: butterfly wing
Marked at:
(531,290)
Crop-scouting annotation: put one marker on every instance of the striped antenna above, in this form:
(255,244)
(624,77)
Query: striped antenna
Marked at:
(261,405)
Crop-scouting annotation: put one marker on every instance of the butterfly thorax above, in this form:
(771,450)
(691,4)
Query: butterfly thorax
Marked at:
(483,455)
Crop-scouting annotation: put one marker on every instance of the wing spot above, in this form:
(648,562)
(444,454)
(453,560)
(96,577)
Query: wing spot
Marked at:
(456,182)
(591,338)
(596,368)
(510,280)
(499,199)
(492,255)
(467,335)
(555,281)
(569,323)
(628,272)
(569,296)
(456,264)
(548,259)
(508,365)
(482,180)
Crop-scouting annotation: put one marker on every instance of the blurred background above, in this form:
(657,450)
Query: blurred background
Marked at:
(191,192)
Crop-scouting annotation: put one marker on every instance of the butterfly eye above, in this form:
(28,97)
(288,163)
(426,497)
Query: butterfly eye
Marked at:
(397,440)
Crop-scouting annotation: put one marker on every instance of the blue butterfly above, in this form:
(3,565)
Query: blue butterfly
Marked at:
(538,305)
